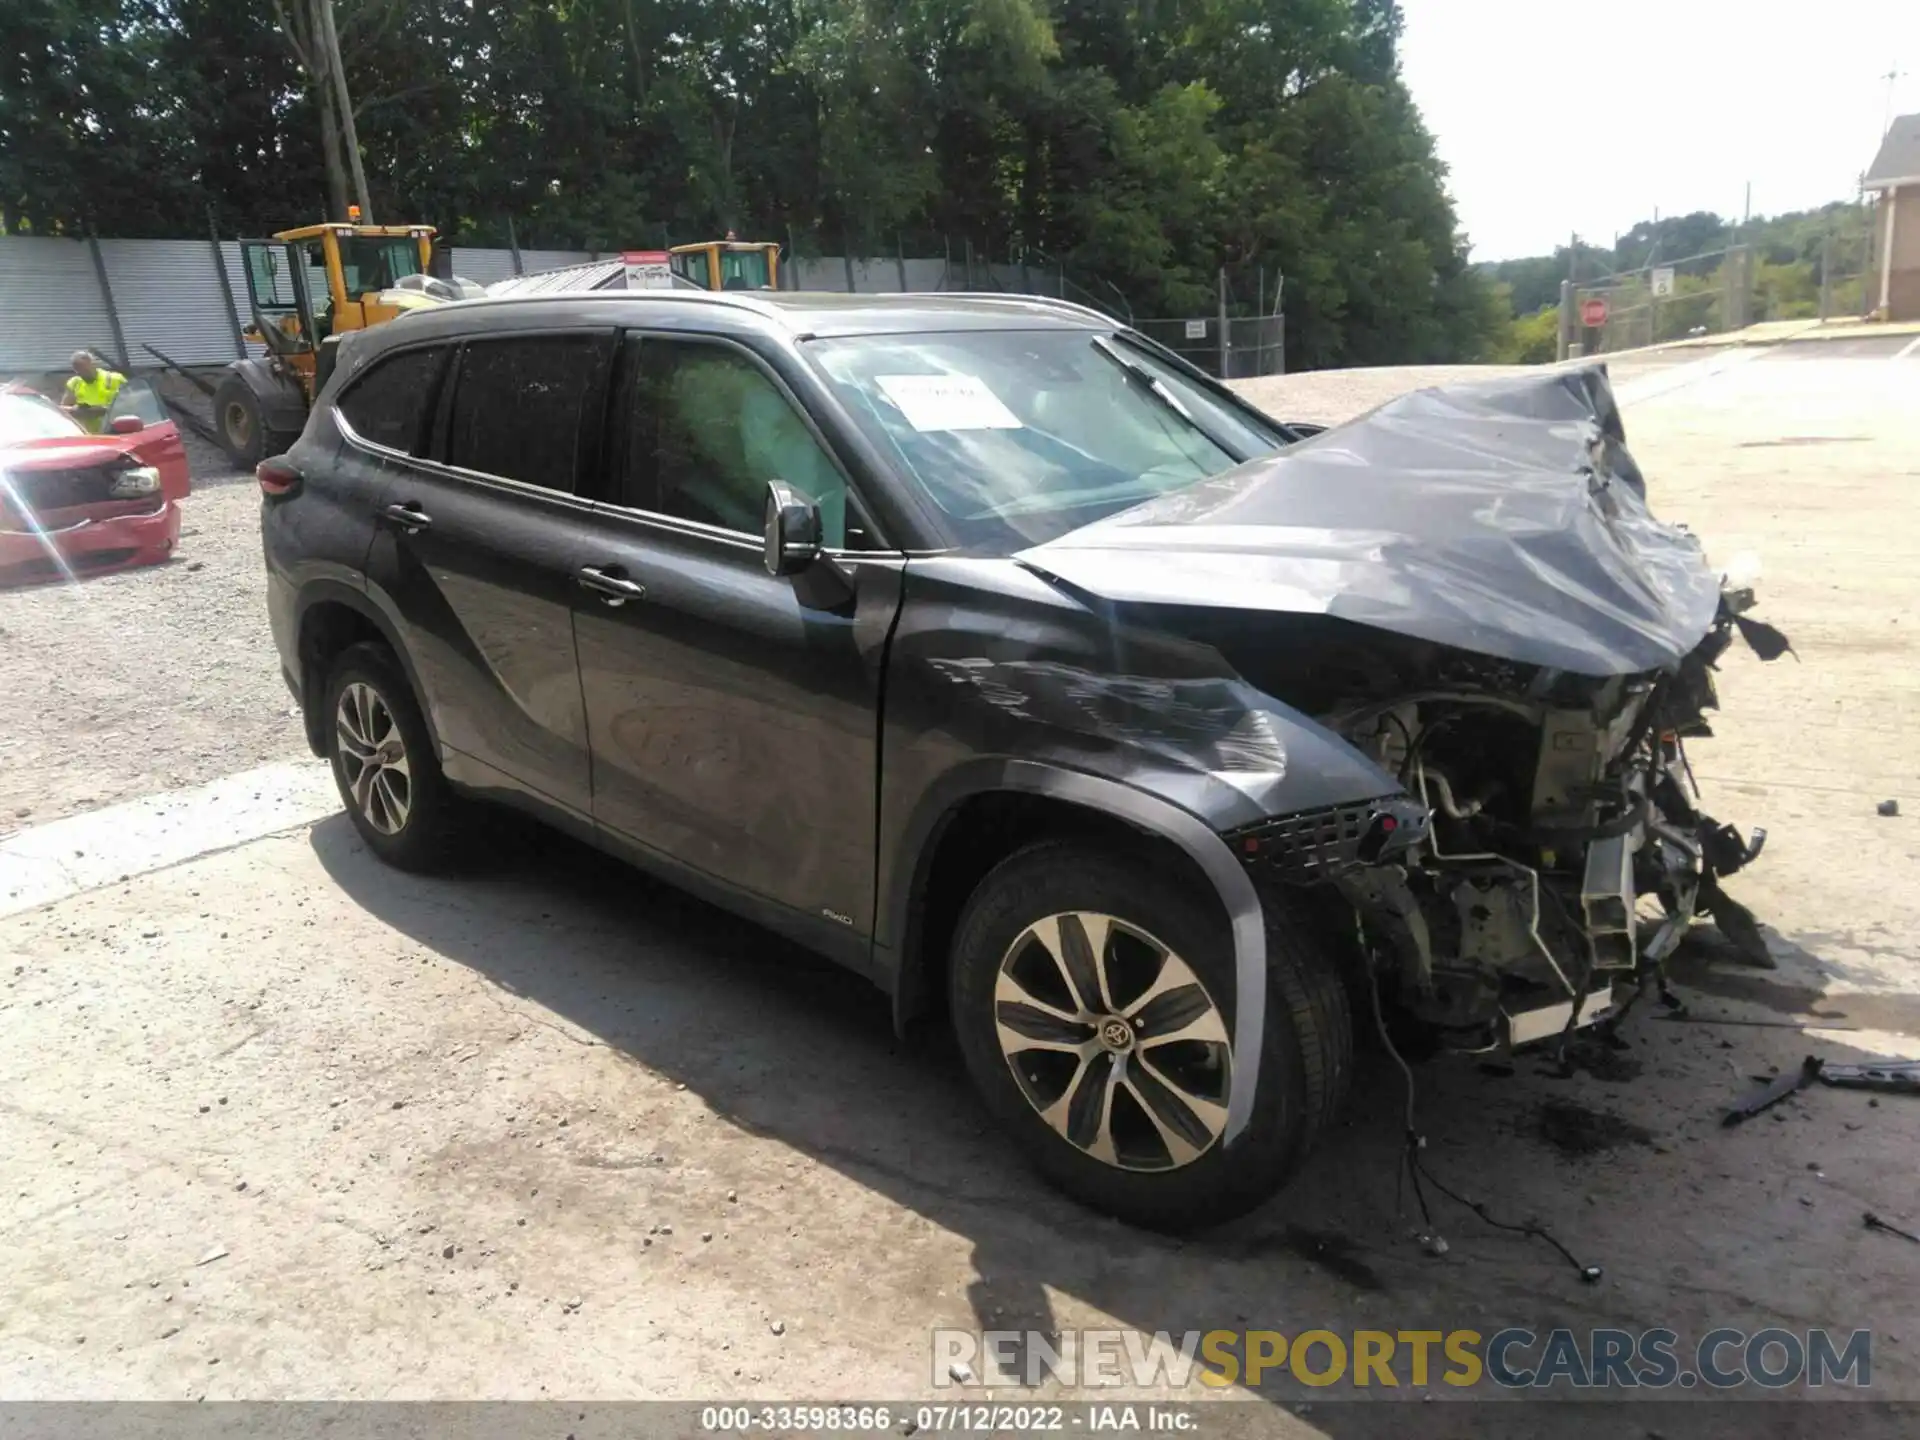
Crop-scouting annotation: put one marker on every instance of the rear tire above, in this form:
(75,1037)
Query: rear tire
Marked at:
(384,762)
(1143,1142)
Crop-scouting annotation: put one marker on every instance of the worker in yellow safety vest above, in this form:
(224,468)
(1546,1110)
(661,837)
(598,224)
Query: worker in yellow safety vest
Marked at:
(90,391)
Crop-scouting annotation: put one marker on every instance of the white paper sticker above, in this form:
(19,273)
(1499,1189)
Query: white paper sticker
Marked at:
(947,402)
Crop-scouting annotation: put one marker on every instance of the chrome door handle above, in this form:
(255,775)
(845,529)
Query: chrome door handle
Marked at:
(612,589)
(410,518)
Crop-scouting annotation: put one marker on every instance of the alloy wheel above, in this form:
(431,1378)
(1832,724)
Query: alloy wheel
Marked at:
(373,758)
(1114,1040)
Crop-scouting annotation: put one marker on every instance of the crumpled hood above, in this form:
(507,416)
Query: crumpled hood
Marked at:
(1504,517)
(65,452)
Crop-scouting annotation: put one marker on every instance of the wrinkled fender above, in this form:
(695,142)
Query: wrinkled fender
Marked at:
(329,591)
(283,404)
(1155,816)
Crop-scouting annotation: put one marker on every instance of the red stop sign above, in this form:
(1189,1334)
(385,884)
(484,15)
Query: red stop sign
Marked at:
(1593,313)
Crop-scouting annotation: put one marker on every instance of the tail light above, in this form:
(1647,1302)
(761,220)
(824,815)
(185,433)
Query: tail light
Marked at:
(277,477)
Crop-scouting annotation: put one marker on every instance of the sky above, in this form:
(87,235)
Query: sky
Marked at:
(1555,117)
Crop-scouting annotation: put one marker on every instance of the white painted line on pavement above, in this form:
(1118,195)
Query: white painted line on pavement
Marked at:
(1909,348)
(1677,377)
(83,852)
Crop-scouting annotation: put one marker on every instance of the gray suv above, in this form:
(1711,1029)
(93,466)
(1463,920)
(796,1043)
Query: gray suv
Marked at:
(991,650)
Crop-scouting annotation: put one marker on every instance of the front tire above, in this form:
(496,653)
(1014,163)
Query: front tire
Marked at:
(1094,999)
(384,762)
(238,422)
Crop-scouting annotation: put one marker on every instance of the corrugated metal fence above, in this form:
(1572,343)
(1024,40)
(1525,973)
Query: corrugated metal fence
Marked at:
(57,297)
(117,297)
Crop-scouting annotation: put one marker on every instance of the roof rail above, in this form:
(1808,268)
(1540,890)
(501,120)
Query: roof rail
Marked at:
(1050,302)
(733,300)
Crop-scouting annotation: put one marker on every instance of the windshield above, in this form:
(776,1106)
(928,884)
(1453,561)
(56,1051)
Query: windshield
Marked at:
(25,417)
(743,270)
(1021,435)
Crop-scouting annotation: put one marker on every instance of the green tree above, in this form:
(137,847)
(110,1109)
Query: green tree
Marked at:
(1145,145)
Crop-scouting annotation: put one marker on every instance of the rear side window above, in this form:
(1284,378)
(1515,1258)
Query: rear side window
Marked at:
(389,405)
(520,407)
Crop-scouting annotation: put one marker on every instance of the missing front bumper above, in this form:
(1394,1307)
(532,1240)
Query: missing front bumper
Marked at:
(1527,1027)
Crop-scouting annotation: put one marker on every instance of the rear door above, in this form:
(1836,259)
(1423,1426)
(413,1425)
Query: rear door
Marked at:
(733,715)
(476,558)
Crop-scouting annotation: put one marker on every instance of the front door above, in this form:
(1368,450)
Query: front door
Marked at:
(733,717)
(477,552)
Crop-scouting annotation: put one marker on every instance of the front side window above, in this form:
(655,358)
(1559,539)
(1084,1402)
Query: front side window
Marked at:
(692,268)
(520,406)
(1018,436)
(708,429)
(389,404)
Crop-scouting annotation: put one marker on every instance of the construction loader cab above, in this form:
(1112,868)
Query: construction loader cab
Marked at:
(729,264)
(306,288)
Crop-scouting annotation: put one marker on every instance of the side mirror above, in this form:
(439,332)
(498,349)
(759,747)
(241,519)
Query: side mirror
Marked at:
(792,530)
(126,425)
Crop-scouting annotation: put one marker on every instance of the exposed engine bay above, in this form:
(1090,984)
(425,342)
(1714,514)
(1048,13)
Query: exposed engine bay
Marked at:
(1565,850)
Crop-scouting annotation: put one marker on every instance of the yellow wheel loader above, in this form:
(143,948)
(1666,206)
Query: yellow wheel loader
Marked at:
(729,264)
(308,287)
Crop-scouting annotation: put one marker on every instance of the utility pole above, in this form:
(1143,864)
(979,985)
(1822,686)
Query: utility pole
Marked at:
(1226,340)
(1893,75)
(329,39)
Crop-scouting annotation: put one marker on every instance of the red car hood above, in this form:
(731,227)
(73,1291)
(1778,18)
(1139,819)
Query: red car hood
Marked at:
(157,445)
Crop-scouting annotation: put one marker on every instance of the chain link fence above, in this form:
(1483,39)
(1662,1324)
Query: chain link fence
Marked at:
(1239,348)
(1225,344)
(1712,293)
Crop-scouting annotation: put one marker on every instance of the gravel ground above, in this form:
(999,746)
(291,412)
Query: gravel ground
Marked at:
(147,680)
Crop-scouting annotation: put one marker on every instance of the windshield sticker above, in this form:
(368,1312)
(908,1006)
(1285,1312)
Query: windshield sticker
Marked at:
(947,402)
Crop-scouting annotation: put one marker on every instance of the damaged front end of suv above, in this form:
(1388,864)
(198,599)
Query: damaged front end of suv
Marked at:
(1467,586)
(1550,806)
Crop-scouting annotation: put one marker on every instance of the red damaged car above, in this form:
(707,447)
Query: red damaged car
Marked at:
(73,503)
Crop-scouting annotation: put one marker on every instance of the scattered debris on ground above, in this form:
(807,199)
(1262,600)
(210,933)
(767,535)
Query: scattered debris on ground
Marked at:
(1874,1222)
(1773,1092)
(1893,1077)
